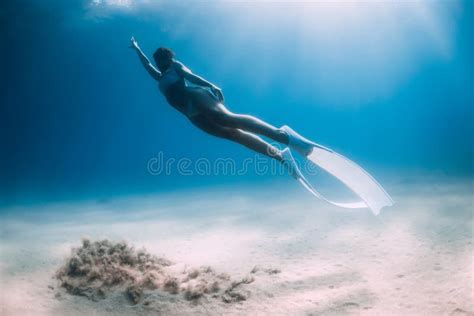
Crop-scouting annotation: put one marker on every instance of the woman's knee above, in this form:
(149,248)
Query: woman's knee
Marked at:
(230,133)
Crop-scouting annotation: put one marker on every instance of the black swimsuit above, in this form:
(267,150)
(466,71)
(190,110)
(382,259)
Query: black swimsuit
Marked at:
(177,95)
(187,100)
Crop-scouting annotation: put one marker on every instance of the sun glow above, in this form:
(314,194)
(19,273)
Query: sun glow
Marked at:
(366,49)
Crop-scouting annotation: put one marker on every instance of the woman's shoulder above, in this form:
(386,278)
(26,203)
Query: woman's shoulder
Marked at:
(177,64)
(180,67)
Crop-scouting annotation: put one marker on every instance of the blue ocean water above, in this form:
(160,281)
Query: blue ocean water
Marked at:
(387,84)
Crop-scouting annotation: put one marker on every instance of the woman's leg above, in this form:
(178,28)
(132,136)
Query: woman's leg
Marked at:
(247,123)
(206,104)
(247,139)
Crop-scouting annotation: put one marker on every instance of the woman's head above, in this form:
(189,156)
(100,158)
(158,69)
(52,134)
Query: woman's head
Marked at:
(163,57)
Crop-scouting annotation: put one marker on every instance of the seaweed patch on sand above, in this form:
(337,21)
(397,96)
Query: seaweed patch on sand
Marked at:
(100,268)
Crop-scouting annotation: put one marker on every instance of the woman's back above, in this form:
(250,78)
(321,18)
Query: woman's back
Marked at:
(170,77)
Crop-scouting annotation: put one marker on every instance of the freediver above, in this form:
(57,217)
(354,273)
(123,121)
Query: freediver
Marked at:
(207,111)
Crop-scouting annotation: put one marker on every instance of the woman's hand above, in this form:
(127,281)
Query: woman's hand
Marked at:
(218,92)
(134,43)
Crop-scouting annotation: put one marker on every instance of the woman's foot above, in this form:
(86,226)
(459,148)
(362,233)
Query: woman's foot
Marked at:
(297,142)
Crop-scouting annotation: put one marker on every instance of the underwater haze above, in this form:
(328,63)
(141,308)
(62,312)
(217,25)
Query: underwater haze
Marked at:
(174,221)
(388,84)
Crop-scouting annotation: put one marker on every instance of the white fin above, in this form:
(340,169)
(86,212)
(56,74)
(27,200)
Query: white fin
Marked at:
(354,177)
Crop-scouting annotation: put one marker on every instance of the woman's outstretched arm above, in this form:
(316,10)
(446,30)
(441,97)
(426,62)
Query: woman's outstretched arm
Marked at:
(191,77)
(155,73)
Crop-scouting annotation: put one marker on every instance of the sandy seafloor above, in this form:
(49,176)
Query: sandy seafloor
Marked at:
(415,258)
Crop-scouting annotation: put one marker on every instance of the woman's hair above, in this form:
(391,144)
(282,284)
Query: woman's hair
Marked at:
(163,53)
